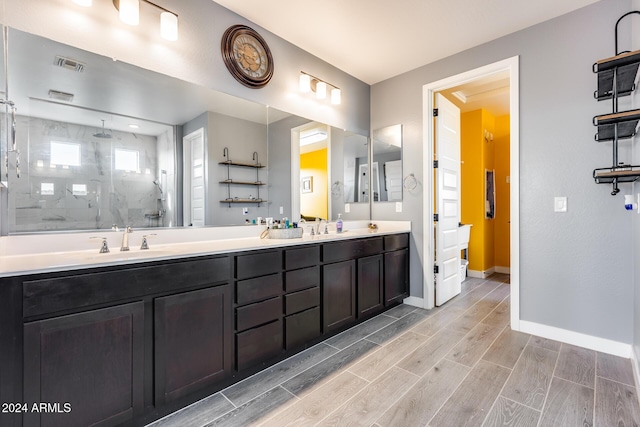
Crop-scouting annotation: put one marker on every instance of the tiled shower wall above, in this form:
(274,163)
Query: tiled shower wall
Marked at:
(112,196)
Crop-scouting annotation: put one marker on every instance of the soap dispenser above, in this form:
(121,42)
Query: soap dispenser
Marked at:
(339,224)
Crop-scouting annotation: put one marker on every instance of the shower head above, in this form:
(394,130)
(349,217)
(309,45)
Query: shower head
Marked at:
(157,184)
(103,134)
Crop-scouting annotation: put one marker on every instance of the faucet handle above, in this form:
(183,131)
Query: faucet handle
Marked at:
(326,229)
(128,229)
(114,227)
(145,244)
(104,248)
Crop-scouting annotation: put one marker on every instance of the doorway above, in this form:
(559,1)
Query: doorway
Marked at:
(511,67)
(310,166)
(194,199)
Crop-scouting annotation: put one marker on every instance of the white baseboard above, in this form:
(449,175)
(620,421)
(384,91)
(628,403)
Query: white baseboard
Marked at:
(481,274)
(414,302)
(503,270)
(602,345)
(636,369)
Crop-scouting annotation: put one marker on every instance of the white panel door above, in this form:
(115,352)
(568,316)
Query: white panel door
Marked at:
(447,139)
(393,179)
(194,197)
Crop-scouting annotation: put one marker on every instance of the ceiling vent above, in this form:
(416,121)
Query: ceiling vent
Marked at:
(69,64)
(60,96)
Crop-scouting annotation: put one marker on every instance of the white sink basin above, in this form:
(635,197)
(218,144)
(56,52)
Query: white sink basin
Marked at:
(117,255)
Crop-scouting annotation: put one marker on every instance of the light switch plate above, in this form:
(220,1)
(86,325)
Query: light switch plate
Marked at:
(245,211)
(398,206)
(560,204)
(281,210)
(347,208)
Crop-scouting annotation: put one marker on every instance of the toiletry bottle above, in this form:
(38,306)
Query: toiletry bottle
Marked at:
(339,224)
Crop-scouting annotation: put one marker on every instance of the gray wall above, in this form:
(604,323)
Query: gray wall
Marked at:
(576,267)
(195,57)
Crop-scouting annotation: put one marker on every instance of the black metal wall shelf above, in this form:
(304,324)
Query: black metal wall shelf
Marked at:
(619,174)
(616,78)
(626,123)
(626,69)
(231,182)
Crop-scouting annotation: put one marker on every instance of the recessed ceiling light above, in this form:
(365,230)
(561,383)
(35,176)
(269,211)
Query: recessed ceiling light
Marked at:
(134,126)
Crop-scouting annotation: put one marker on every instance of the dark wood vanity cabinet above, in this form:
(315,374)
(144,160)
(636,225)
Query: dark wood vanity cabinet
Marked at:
(396,269)
(193,344)
(338,295)
(258,308)
(124,345)
(370,285)
(112,344)
(90,364)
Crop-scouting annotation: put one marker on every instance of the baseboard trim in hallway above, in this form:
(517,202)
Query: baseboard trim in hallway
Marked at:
(414,302)
(635,363)
(602,345)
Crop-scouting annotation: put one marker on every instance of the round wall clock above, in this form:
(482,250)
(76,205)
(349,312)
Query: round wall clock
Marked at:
(247,56)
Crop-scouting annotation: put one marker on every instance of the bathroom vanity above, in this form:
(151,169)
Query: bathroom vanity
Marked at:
(130,341)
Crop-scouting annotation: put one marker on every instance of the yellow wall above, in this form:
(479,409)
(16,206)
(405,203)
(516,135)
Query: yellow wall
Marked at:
(315,204)
(487,245)
(503,213)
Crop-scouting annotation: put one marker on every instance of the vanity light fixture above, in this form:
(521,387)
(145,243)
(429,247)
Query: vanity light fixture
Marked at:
(129,11)
(310,83)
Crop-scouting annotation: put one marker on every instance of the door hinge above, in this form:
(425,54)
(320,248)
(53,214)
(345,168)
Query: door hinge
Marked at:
(435,164)
(435,269)
(435,217)
(435,112)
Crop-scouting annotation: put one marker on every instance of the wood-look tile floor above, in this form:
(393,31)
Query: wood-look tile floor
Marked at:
(456,365)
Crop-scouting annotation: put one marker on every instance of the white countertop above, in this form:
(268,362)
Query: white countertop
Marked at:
(40,253)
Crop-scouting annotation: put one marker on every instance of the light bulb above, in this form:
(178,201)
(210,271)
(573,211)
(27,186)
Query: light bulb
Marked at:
(169,26)
(335,96)
(305,82)
(130,12)
(321,90)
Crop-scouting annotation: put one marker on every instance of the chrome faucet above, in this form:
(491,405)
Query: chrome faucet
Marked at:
(326,225)
(125,238)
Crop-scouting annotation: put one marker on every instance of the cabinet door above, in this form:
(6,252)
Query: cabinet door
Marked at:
(92,361)
(338,294)
(370,285)
(193,341)
(396,276)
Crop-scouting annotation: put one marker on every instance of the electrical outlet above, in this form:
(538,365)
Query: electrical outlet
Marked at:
(398,206)
(560,204)
(347,208)
(281,210)
(245,211)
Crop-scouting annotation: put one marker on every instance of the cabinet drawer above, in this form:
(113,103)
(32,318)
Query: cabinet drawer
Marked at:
(256,345)
(260,264)
(301,300)
(303,257)
(302,279)
(302,327)
(259,313)
(76,291)
(257,289)
(396,241)
(333,252)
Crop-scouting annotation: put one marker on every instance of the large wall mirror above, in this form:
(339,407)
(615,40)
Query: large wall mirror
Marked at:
(386,173)
(103,142)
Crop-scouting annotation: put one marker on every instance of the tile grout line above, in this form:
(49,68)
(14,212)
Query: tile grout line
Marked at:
(553,375)
(595,389)
(508,376)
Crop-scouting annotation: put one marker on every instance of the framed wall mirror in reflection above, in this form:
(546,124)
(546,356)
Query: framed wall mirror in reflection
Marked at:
(387,164)
(103,142)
